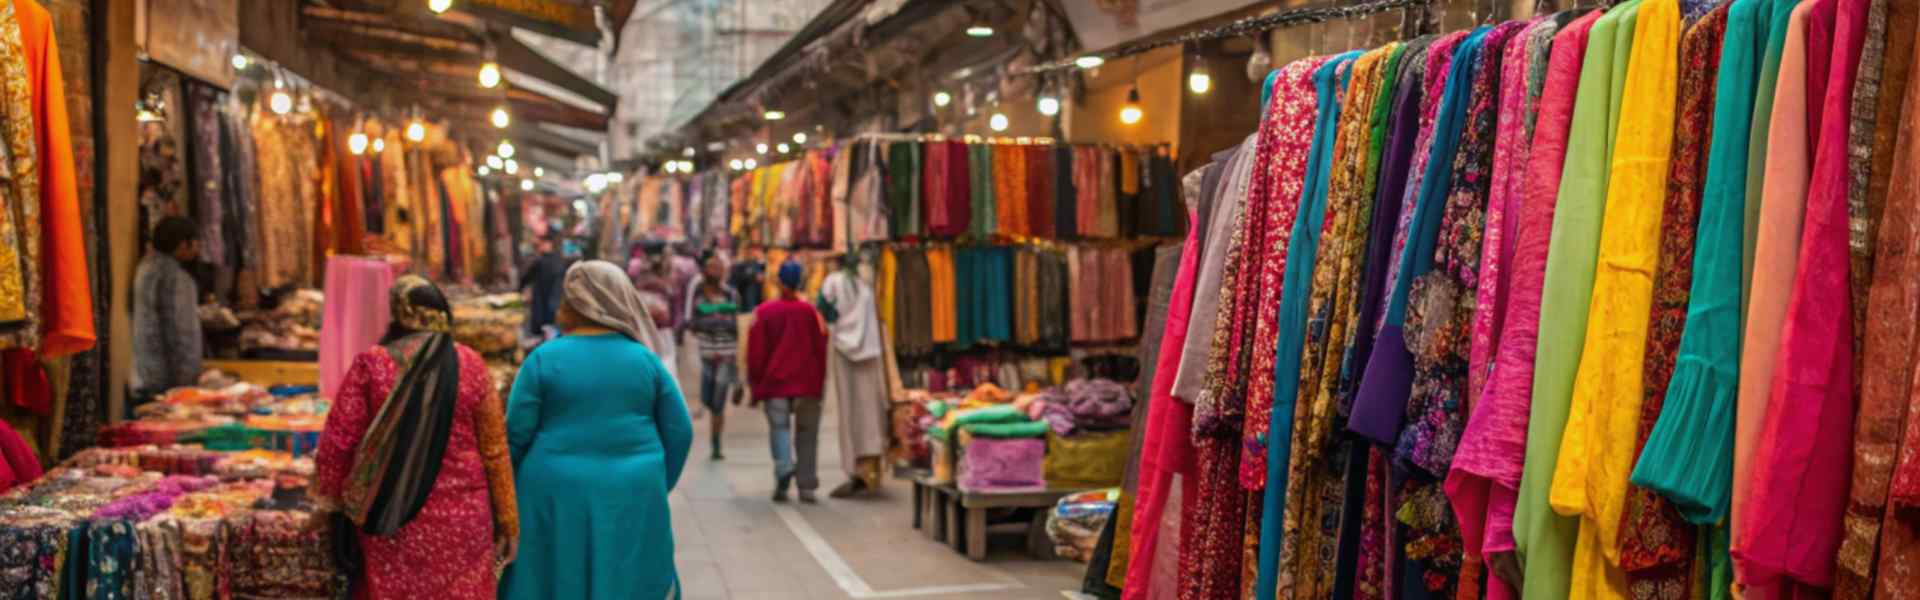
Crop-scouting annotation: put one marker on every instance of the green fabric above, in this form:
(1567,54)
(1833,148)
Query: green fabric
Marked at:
(903,187)
(1377,125)
(1010,429)
(1543,538)
(980,182)
(991,414)
(1777,14)
(938,409)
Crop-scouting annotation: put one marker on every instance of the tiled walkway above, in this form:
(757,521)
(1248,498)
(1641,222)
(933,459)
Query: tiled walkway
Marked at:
(733,543)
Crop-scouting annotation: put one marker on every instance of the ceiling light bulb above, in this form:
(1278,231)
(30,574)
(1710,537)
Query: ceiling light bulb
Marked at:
(614,177)
(539,172)
(760,148)
(783,147)
(672,166)
(240,62)
(439,6)
(800,137)
(1131,113)
(596,182)
(483,170)
(416,131)
(526,185)
(379,145)
(489,75)
(495,162)
(512,167)
(941,99)
(357,143)
(1049,105)
(774,115)
(687,152)
(735,164)
(505,149)
(998,122)
(1089,61)
(980,31)
(280,102)
(751,164)
(500,118)
(1200,82)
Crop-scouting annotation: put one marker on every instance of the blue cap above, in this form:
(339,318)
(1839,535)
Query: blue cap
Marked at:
(790,274)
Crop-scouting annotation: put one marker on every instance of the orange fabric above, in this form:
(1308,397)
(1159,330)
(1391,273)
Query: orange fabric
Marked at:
(67,308)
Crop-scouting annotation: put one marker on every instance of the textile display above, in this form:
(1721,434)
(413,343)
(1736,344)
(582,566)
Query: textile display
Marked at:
(356,314)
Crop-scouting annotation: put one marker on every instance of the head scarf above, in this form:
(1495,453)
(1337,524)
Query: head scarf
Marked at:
(599,291)
(398,460)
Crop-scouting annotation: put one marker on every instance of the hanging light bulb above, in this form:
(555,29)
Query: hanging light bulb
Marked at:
(1199,81)
(760,148)
(526,185)
(751,164)
(773,115)
(1089,61)
(672,166)
(484,170)
(512,168)
(687,152)
(1130,112)
(417,131)
(997,122)
(489,75)
(596,182)
(357,143)
(735,164)
(281,102)
(505,149)
(500,118)
(240,62)
(439,6)
(783,148)
(615,177)
(539,172)
(495,162)
(1049,105)
(942,99)
(800,137)
(980,29)
(379,145)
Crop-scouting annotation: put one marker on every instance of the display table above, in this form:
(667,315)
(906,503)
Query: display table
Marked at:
(269,373)
(959,519)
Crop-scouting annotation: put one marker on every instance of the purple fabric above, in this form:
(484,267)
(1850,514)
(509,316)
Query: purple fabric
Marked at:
(146,504)
(1003,465)
(1087,404)
(1377,423)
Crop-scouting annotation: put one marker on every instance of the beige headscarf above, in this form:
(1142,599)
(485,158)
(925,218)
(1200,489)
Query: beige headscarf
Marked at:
(602,293)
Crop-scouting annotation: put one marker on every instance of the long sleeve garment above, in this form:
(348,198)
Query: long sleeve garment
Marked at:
(1545,539)
(66,300)
(599,434)
(1694,435)
(1597,446)
(1899,547)
(1801,466)
(1485,479)
(1329,82)
(1782,209)
(1190,375)
(166,325)
(786,351)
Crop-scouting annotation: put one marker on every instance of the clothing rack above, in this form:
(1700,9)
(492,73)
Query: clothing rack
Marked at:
(1240,28)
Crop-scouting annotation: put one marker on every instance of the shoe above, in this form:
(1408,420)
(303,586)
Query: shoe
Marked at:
(806,497)
(717,455)
(849,489)
(780,489)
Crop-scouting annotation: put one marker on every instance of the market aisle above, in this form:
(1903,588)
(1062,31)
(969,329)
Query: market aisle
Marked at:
(733,543)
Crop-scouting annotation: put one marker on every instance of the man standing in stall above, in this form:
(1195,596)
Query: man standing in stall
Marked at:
(544,275)
(786,370)
(166,317)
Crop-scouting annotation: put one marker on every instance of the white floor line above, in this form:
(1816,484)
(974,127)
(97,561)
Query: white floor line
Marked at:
(851,582)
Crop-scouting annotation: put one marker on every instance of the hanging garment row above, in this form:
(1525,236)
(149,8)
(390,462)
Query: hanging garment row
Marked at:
(1591,289)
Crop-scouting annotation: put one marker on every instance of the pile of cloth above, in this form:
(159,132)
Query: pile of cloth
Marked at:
(291,327)
(489,324)
(1084,405)
(1075,521)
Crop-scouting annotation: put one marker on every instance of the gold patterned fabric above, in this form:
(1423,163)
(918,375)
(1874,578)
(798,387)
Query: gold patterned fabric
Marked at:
(22,189)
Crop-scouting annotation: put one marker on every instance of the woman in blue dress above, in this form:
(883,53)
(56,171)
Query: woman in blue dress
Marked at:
(599,434)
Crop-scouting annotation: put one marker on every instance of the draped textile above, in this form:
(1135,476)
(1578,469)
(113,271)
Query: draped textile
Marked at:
(1887,396)
(1216,239)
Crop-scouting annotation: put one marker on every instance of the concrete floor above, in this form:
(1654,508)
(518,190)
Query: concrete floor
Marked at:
(732,542)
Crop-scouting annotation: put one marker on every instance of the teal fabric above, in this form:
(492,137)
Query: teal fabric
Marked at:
(1689,455)
(1329,81)
(1025,429)
(1004,413)
(1543,538)
(599,434)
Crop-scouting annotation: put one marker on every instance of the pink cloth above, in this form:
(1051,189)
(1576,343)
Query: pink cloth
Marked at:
(1165,448)
(1484,482)
(18,464)
(356,315)
(1776,246)
(1802,467)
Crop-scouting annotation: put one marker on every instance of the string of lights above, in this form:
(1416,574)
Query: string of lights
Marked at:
(1239,28)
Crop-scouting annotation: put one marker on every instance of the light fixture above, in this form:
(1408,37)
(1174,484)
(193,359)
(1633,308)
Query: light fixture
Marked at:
(417,131)
(614,177)
(494,161)
(1130,112)
(672,166)
(942,98)
(1049,105)
(489,75)
(773,115)
(686,165)
(500,118)
(505,149)
(687,152)
(980,30)
(1199,81)
(800,137)
(281,102)
(144,115)
(240,62)
(379,145)
(997,122)
(512,168)
(596,182)
(1089,61)
(483,170)
(526,185)
(539,172)
(760,148)
(783,147)
(439,6)
(751,164)
(735,164)
(357,143)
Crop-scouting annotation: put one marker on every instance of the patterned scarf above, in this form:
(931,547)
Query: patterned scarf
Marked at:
(398,460)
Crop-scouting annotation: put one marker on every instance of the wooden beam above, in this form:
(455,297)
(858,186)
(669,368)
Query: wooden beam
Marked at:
(558,114)
(517,56)
(391,40)
(561,144)
(395,21)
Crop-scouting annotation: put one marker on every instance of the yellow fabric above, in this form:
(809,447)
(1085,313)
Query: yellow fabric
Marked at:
(883,289)
(940,272)
(1597,448)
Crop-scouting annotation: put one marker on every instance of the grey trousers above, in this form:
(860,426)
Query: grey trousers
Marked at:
(793,428)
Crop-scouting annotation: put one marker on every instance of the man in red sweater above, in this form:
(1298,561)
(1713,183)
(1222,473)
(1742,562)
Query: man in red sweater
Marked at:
(786,366)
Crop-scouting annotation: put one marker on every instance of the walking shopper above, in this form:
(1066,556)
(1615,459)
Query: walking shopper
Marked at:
(855,379)
(166,317)
(599,434)
(786,363)
(414,456)
(543,276)
(712,313)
